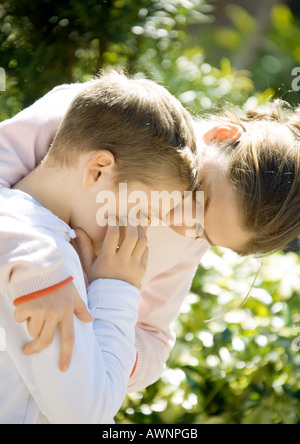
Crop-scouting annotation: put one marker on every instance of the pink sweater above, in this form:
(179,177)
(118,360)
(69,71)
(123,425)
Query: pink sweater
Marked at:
(173,260)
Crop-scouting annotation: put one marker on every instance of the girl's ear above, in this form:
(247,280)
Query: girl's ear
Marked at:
(222,133)
(101,163)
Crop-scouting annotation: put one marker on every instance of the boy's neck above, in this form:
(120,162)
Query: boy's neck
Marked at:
(49,187)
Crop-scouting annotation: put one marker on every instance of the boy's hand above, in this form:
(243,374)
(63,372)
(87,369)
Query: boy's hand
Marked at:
(45,314)
(123,256)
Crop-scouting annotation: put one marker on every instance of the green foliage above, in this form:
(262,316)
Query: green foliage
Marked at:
(240,368)
(43,44)
(276,50)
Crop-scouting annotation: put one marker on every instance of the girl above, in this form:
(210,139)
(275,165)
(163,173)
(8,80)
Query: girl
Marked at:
(250,172)
(250,176)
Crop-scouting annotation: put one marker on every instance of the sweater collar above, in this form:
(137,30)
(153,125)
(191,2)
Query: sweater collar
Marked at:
(34,213)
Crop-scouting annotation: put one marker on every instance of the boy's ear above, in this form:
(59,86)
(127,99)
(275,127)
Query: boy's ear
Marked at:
(223,132)
(102,162)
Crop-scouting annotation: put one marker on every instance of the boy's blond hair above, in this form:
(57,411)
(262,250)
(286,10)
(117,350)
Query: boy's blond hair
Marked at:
(147,130)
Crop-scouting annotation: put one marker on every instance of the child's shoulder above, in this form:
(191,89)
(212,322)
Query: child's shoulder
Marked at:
(25,208)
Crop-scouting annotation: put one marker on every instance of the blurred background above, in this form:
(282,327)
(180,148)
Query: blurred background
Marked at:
(242,368)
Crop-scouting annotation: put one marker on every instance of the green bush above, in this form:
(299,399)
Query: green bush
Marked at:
(241,368)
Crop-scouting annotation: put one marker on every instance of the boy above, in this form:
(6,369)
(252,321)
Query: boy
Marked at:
(24,141)
(112,126)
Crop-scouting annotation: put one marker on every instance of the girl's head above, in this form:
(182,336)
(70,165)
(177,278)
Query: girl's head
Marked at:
(251,178)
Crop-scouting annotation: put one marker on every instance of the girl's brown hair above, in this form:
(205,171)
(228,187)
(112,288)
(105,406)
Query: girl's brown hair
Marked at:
(264,167)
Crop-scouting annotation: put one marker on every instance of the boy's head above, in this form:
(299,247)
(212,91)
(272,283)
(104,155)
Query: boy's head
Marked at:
(146,129)
(125,130)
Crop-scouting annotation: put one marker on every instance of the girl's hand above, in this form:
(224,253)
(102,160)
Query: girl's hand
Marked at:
(123,256)
(45,314)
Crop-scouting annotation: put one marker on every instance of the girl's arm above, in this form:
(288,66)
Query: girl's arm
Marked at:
(24,141)
(161,301)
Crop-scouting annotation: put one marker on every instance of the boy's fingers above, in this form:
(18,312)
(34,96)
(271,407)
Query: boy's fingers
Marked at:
(35,326)
(67,342)
(141,244)
(145,228)
(144,260)
(112,237)
(130,239)
(80,309)
(42,342)
(21,313)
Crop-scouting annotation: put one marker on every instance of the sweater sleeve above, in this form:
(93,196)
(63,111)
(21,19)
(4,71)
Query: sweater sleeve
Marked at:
(29,261)
(26,138)
(94,388)
(161,300)
(24,141)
